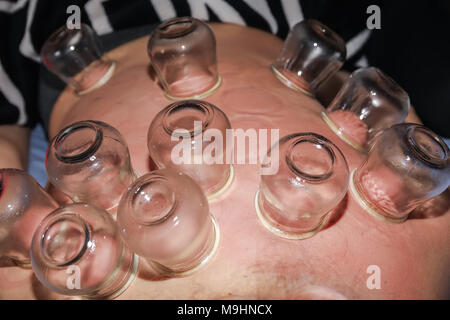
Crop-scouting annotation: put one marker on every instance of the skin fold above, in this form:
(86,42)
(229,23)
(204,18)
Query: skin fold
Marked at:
(251,262)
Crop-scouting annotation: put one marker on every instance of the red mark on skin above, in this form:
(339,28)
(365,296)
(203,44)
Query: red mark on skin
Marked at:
(382,189)
(351,125)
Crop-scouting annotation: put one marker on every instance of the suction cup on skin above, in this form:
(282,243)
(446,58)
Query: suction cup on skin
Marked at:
(311,54)
(182,52)
(407,165)
(76,57)
(368,102)
(164,217)
(312,179)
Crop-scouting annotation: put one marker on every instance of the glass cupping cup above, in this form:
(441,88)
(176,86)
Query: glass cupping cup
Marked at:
(76,57)
(312,179)
(90,162)
(190,136)
(368,102)
(407,165)
(23,204)
(164,217)
(311,54)
(182,53)
(77,250)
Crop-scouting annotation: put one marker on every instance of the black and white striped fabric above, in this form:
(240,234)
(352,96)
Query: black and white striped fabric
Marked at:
(26,24)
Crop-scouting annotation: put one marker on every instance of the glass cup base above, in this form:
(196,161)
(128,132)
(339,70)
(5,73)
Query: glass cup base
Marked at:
(103,80)
(133,273)
(341,134)
(284,234)
(165,271)
(225,187)
(198,96)
(369,208)
(288,83)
